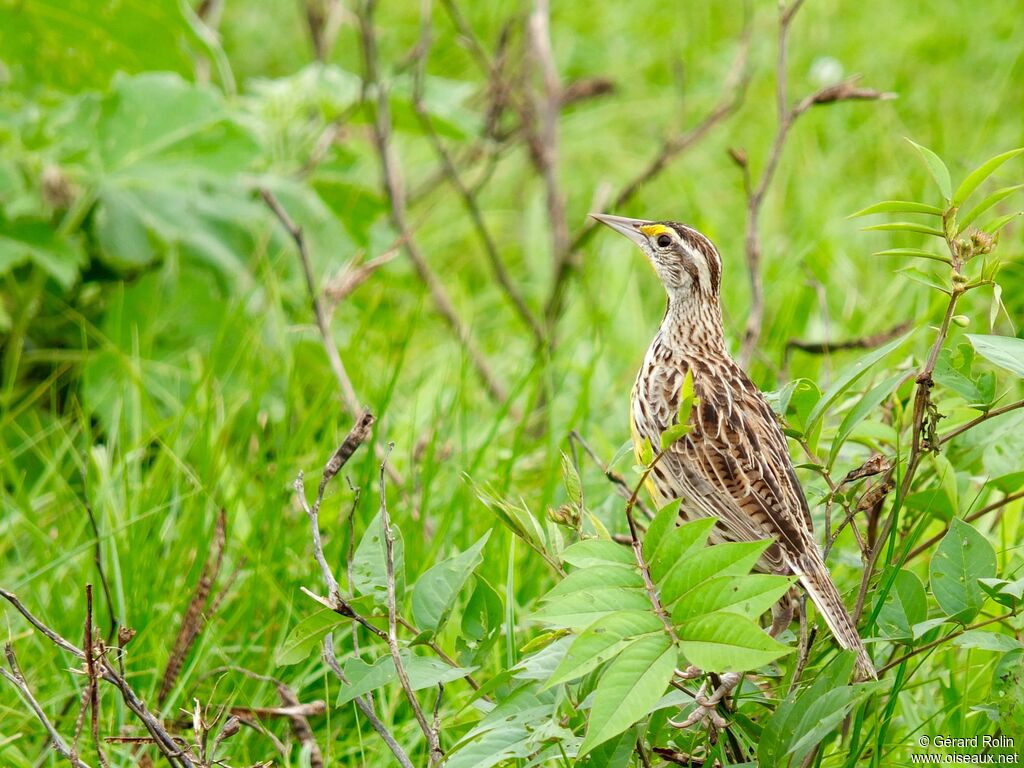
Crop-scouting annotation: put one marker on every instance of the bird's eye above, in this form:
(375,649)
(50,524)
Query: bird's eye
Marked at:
(664,241)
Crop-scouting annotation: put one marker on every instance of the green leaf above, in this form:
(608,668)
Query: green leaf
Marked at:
(914,253)
(979,174)
(24,240)
(306,636)
(677,544)
(686,399)
(516,517)
(997,196)
(596,577)
(584,607)
(630,688)
(905,226)
(662,523)
(369,567)
(423,672)
(728,642)
(897,206)
(483,614)
(434,594)
(937,169)
(1005,351)
(904,606)
(748,596)
(602,641)
(867,404)
(988,641)
(646,452)
(674,433)
(730,558)
(962,557)
(994,226)
(573,486)
(850,375)
(591,552)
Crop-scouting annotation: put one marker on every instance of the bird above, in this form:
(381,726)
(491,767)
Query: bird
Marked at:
(734,463)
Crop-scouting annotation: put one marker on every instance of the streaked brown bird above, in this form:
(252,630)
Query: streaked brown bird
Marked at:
(734,463)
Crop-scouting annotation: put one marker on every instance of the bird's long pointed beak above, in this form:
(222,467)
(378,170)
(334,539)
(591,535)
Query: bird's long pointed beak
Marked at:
(628,227)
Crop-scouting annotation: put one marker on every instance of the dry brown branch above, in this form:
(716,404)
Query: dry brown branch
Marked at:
(380,114)
(97,555)
(323,19)
(787,116)
(15,678)
(171,750)
(193,621)
(468,198)
(433,741)
(354,274)
(92,687)
(869,341)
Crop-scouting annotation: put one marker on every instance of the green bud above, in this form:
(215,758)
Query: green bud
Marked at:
(962,320)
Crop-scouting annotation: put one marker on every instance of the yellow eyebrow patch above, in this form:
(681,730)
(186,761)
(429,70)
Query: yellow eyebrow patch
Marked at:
(653,230)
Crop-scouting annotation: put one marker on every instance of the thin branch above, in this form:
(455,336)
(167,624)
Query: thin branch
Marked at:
(433,741)
(976,421)
(941,640)
(15,678)
(1009,499)
(367,709)
(92,689)
(97,555)
(469,199)
(381,121)
(787,116)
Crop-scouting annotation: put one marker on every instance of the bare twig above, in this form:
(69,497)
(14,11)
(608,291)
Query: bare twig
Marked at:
(92,688)
(469,199)
(995,505)
(365,707)
(621,486)
(15,678)
(97,554)
(928,646)
(976,421)
(787,116)
(380,112)
(869,341)
(433,741)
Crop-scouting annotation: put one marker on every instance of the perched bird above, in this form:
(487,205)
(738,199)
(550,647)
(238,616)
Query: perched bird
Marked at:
(734,463)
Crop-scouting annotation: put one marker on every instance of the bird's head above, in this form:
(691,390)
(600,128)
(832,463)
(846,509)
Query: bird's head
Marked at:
(687,262)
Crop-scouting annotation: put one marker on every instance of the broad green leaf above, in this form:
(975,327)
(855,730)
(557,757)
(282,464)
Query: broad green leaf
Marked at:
(602,641)
(306,636)
(582,608)
(914,253)
(904,606)
(867,404)
(825,714)
(596,577)
(850,375)
(646,452)
(897,206)
(369,567)
(573,486)
(423,672)
(1005,351)
(591,552)
(748,596)
(962,557)
(630,688)
(988,641)
(731,558)
(24,240)
(1000,194)
(434,594)
(662,523)
(937,169)
(728,642)
(922,628)
(678,544)
(1005,592)
(905,226)
(979,174)
(791,719)
(1008,692)
(482,616)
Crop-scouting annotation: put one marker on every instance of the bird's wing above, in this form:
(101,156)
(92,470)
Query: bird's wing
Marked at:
(735,465)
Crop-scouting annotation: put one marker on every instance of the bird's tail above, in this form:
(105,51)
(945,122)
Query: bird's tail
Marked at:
(815,578)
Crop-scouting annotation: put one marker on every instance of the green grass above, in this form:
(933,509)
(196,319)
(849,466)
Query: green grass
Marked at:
(175,392)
